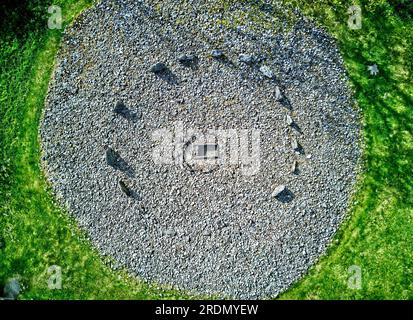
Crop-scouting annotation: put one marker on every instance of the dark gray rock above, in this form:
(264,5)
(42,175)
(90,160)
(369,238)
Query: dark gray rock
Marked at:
(112,157)
(124,188)
(158,67)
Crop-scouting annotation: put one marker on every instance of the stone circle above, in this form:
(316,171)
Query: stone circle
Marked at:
(133,75)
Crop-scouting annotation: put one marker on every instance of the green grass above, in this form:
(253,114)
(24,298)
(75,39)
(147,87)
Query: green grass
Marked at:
(35,233)
(377,236)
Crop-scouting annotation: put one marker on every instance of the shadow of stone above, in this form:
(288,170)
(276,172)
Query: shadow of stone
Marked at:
(189,61)
(296,127)
(128,191)
(122,110)
(285,102)
(225,61)
(168,76)
(286,196)
(114,159)
(300,149)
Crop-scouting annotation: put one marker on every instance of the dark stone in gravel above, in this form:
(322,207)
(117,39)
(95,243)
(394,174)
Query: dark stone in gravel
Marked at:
(124,188)
(158,67)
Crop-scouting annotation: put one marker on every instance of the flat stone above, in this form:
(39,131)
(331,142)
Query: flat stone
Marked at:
(279,190)
(267,72)
(247,59)
(170,232)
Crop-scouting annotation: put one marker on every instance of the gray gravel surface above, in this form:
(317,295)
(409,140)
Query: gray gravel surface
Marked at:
(221,232)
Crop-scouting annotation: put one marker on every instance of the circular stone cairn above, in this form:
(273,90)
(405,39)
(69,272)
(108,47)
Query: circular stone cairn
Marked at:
(132,142)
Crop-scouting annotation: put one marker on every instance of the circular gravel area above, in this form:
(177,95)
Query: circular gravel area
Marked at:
(201,149)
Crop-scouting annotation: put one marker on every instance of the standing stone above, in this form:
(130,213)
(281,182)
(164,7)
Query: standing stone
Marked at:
(124,188)
(121,109)
(278,191)
(278,95)
(294,167)
(12,289)
(289,120)
(295,145)
(112,157)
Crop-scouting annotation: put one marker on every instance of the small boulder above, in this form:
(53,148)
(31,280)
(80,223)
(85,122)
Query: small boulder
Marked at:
(289,120)
(282,194)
